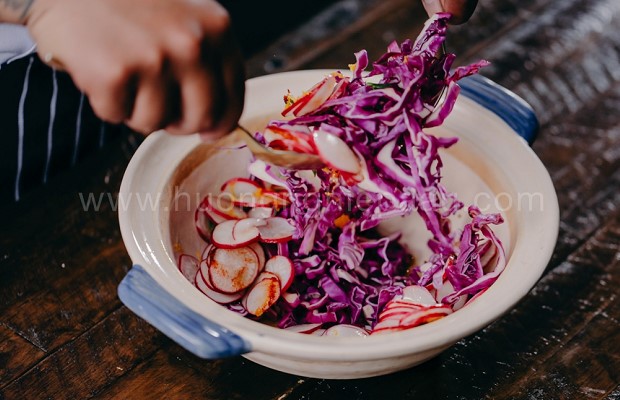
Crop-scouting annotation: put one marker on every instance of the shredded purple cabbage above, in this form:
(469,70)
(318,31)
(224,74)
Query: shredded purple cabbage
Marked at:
(345,272)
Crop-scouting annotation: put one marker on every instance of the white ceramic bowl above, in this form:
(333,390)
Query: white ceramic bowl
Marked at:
(492,165)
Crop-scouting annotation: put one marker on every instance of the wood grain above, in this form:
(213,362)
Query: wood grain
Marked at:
(16,355)
(64,333)
(90,362)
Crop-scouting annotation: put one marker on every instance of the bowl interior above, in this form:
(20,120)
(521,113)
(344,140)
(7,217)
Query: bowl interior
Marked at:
(490,166)
(466,173)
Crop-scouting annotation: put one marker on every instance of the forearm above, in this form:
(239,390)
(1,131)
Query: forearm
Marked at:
(14,11)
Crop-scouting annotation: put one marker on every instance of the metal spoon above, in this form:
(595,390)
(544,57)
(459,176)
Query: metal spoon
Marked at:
(281,158)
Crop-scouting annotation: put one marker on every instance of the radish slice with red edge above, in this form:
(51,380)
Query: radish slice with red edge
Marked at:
(215,217)
(283,268)
(303,328)
(204,272)
(345,330)
(222,206)
(232,270)
(314,99)
(266,275)
(201,221)
(242,191)
(228,236)
(335,152)
(260,253)
(241,186)
(292,299)
(267,173)
(447,289)
(188,265)
(263,294)
(276,230)
(419,295)
(204,286)
(273,199)
(206,252)
(289,138)
(260,212)
(248,228)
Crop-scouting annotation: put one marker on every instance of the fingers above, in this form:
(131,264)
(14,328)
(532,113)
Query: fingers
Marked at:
(212,94)
(156,99)
(461,10)
(111,91)
(233,90)
(149,63)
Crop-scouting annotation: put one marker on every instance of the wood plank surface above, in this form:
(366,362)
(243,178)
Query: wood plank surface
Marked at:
(65,334)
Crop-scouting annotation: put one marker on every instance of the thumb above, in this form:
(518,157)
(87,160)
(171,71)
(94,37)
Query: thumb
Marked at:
(432,7)
(461,10)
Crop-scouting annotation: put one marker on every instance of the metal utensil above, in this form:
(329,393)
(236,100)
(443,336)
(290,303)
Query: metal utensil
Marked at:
(440,97)
(281,158)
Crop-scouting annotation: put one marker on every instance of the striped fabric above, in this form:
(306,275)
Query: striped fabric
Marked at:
(46,125)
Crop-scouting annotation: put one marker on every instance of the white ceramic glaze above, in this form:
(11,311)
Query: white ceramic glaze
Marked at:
(489,160)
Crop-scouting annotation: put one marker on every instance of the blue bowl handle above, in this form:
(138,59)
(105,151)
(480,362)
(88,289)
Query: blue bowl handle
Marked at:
(504,103)
(206,339)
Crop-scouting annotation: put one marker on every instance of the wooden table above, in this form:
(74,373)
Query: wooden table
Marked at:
(65,334)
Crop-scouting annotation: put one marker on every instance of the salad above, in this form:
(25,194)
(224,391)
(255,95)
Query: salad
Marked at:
(301,250)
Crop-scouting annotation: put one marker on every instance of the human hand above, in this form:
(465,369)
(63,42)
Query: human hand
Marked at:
(461,10)
(148,63)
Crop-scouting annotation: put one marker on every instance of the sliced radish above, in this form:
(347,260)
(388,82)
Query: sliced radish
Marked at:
(283,268)
(228,235)
(260,254)
(204,286)
(260,212)
(263,294)
(304,328)
(387,326)
(400,314)
(395,309)
(397,312)
(266,173)
(276,230)
(425,316)
(248,227)
(419,295)
(206,252)
(204,272)
(292,299)
(232,270)
(292,138)
(242,191)
(215,217)
(223,207)
(314,98)
(201,221)
(447,289)
(339,89)
(188,265)
(273,199)
(345,330)
(336,153)
(266,275)
(240,186)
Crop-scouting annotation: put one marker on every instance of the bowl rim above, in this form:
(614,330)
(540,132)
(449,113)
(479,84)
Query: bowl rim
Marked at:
(145,244)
